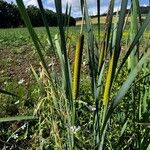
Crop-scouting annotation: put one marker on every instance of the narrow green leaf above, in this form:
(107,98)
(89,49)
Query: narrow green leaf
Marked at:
(119,33)
(82,5)
(8,93)
(41,87)
(135,41)
(35,40)
(121,138)
(99,83)
(109,23)
(33,35)
(133,58)
(68,89)
(142,78)
(115,54)
(62,60)
(144,124)
(125,87)
(45,22)
(17,118)
(91,53)
(98,19)
(148,147)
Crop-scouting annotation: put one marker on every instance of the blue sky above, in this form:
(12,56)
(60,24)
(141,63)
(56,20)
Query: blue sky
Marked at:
(76,5)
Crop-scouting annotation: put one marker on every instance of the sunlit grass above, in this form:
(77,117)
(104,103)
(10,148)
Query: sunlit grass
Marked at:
(104,107)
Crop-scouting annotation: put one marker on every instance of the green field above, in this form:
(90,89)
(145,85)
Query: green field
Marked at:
(18,52)
(17,55)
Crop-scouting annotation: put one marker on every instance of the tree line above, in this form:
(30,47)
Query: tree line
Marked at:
(10,16)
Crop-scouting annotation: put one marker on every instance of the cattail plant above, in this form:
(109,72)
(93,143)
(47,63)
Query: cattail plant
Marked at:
(56,111)
(132,60)
(77,65)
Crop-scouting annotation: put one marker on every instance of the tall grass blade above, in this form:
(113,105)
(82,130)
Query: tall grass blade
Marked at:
(58,6)
(109,23)
(125,87)
(135,41)
(123,90)
(17,118)
(41,86)
(116,53)
(8,93)
(91,53)
(62,60)
(119,33)
(106,37)
(102,55)
(67,19)
(35,39)
(82,5)
(98,19)
(133,58)
(45,22)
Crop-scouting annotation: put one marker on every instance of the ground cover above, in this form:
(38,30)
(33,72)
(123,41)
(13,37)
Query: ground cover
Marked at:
(18,53)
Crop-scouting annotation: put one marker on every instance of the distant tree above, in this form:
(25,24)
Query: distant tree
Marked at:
(10,16)
(51,17)
(35,16)
(15,17)
(70,20)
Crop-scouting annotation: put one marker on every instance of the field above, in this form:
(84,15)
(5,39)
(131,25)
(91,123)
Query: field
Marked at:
(17,55)
(18,52)
(94,20)
(77,88)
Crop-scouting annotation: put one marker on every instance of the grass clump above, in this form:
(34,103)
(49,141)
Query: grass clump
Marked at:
(108,109)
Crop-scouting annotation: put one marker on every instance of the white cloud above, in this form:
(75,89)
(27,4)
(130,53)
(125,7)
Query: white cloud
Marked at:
(92,6)
(76,9)
(31,2)
(26,2)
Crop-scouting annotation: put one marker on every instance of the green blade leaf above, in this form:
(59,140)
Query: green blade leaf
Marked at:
(135,41)
(17,118)
(68,89)
(8,93)
(125,87)
(98,19)
(35,40)
(45,22)
(33,35)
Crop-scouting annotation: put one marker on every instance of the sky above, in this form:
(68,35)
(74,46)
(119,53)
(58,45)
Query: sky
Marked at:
(76,11)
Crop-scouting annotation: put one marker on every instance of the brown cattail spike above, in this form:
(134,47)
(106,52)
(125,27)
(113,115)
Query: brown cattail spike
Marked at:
(77,65)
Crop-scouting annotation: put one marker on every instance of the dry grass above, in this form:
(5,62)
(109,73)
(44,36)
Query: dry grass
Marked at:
(94,20)
(102,20)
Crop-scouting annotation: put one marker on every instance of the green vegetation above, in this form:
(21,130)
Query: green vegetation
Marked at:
(76,87)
